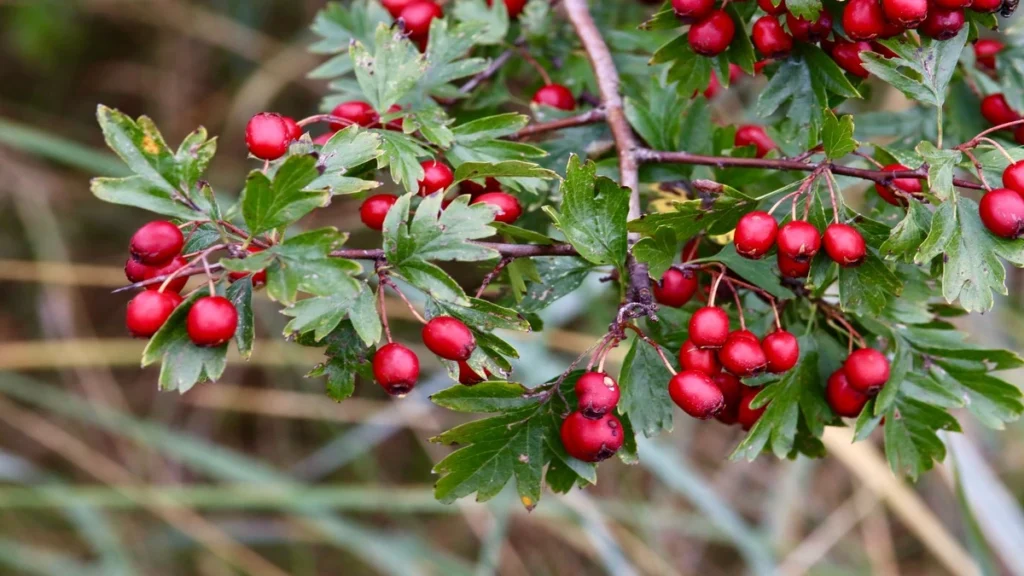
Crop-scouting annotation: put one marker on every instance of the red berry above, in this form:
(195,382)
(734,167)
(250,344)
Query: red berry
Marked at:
(258,278)
(693,358)
(436,176)
(396,369)
(768,8)
(449,338)
(905,13)
(556,96)
(953,4)
(474,189)
(211,321)
(596,394)
(782,350)
(732,391)
(847,55)
(135,271)
(1018,134)
(942,23)
(1013,177)
(863,19)
(354,112)
(692,10)
(709,327)
(712,35)
(807,31)
(508,206)
(468,376)
(156,243)
(267,135)
(897,192)
(591,440)
(696,394)
(748,416)
(417,17)
(395,124)
(985,50)
(676,287)
(798,240)
(842,398)
(375,208)
(755,234)
(294,130)
(1002,212)
(148,311)
(996,110)
(714,85)
(742,355)
(792,268)
(986,5)
(751,135)
(867,370)
(845,245)
(323,138)
(770,38)
(514,7)
(177,283)
(395,7)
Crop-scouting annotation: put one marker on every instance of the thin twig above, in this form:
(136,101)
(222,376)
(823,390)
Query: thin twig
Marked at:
(493,274)
(589,117)
(388,282)
(654,345)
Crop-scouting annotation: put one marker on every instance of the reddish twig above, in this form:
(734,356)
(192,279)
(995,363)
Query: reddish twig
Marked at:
(589,117)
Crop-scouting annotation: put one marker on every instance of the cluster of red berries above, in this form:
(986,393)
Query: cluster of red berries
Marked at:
(863,374)
(155,251)
(268,135)
(1002,209)
(798,241)
(416,16)
(396,368)
(592,433)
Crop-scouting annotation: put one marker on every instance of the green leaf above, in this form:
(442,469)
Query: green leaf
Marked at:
(268,205)
(921,72)
(689,71)
(507,168)
(322,314)
(941,164)
(447,58)
(759,272)
(657,114)
(799,89)
(693,216)
(142,148)
(991,400)
(391,71)
(559,276)
(658,251)
(912,444)
(338,25)
(182,363)
(434,234)
(432,280)
(593,214)
(345,150)
(907,236)
(240,294)
(837,135)
(485,316)
(401,154)
(489,128)
(347,355)
(431,123)
(492,19)
(806,9)
(491,396)
(777,426)
(867,288)
(643,383)
(139,192)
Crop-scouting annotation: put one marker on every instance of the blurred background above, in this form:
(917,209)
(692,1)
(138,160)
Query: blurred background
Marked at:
(261,473)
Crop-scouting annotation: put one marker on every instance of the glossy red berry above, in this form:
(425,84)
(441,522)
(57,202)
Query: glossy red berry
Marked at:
(742,355)
(135,271)
(474,189)
(1002,212)
(986,5)
(294,130)
(395,7)
(508,208)
(748,416)
(418,16)
(985,50)
(596,394)
(148,311)
(900,189)
(793,268)
(844,245)
(701,360)
(996,110)
(696,394)
(1013,177)
(942,23)
(867,370)
(847,55)
(514,7)
(768,8)
(556,96)
(267,135)
(211,321)
(732,391)
(755,234)
(770,38)
(396,369)
(177,283)
(807,31)
(156,243)
(449,338)
(709,327)
(676,287)
(751,135)
(953,4)
(468,376)
(842,398)
(258,278)
(1018,134)
(712,35)
(905,13)
(692,10)
(591,440)
(374,210)
(714,86)
(798,240)
(782,351)
(863,19)
(354,112)
(436,176)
